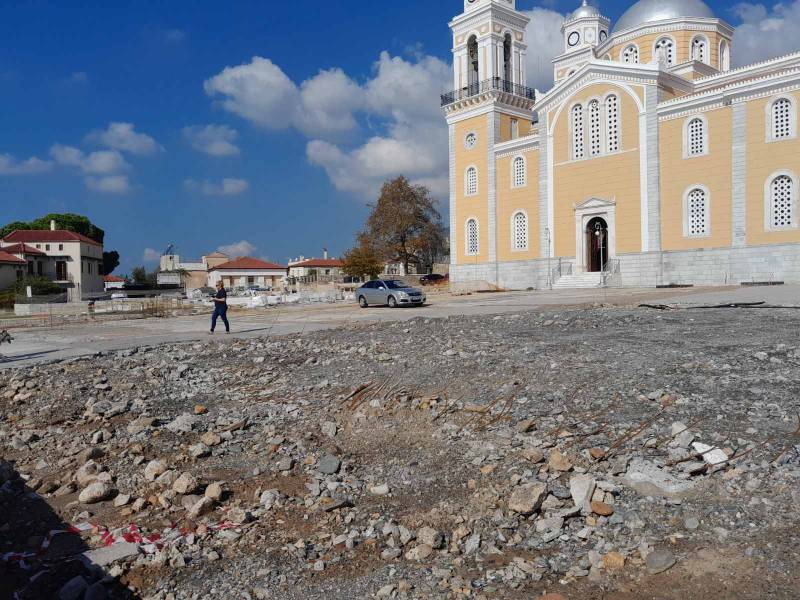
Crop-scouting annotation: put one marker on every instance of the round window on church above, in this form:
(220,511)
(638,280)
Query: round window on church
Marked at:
(470,141)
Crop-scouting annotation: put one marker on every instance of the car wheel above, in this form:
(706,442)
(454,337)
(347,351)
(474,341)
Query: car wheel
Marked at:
(362,302)
(392,302)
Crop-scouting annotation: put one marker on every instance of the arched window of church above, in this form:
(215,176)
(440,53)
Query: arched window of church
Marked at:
(520,233)
(612,123)
(631,54)
(595,138)
(520,179)
(724,56)
(782,203)
(697,213)
(666,48)
(700,49)
(472,61)
(696,137)
(507,76)
(471,237)
(783,119)
(577,132)
(471,182)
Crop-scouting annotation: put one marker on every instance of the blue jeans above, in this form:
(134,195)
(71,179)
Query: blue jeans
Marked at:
(220,311)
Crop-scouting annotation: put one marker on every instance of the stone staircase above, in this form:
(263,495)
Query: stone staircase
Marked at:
(579,281)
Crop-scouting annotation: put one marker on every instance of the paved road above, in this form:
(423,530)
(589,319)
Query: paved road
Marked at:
(35,345)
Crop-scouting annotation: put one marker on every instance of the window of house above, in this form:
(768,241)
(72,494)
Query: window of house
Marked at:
(514,129)
(697,213)
(700,49)
(782,203)
(782,119)
(696,137)
(39,268)
(666,47)
(47,246)
(471,183)
(612,123)
(20,274)
(519,172)
(30,268)
(631,54)
(520,231)
(472,237)
(61,246)
(39,246)
(577,132)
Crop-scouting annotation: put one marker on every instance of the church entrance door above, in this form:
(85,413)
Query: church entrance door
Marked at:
(596,236)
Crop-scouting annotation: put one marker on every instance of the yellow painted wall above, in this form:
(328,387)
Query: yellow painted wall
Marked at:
(683,40)
(712,170)
(763,159)
(610,177)
(511,199)
(472,206)
(505,127)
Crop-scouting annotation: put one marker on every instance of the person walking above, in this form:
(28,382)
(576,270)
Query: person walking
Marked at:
(220,308)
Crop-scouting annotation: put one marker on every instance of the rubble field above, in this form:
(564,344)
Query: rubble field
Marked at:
(599,454)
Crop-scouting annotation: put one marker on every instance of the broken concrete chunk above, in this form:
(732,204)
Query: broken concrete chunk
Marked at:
(647,479)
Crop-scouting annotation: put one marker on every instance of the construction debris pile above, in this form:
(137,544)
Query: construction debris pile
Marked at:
(574,454)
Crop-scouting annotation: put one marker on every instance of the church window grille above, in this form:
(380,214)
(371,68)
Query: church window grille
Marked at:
(520,237)
(612,123)
(577,132)
(697,213)
(667,48)
(696,131)
(472,237)
(700,49)
(630,55)
(782,125)
(471,183)
(782,203)
(519,172)
(595,138)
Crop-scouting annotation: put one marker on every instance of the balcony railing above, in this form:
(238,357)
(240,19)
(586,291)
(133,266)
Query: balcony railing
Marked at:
(495,83)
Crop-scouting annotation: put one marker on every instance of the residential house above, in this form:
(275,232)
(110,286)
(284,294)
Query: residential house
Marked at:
(112,282)
(245,272)
(192,274)
(12,268)
(72,260)
(329,269)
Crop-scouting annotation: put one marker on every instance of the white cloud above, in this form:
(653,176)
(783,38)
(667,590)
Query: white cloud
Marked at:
(123,137)
(226,187)
(765,33)
(327,104)
(110,184)
(241,248)
(545,42)
(31,166)
(104,170)
(149,255)
(214,140)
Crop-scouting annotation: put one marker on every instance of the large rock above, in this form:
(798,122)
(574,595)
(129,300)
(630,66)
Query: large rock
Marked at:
(581,488)
(87,473)
(186,484)
(329,464)
(647,479)
(183,423)
(659,561)
(527,498)
(153,469)
(96,492)
(109,554)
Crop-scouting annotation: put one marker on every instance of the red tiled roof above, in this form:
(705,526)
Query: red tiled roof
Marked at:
(30,236)
(113,279)
(248,264)
(320,263)
(5,257)
(22,249)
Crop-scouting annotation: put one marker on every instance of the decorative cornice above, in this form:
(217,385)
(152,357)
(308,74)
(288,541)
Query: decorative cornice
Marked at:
(490,98)
(520,145)
(667,25)
(492,12)
(785,61)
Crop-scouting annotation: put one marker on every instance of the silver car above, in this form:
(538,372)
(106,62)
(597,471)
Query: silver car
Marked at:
(389,291)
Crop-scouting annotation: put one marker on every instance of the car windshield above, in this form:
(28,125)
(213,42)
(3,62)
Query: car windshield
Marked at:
(394,284)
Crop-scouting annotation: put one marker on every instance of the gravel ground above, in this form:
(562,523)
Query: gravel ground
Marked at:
(598,454)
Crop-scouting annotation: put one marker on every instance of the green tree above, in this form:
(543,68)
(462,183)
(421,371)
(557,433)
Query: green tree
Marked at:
(404,224)
(110,262)
(69,221)
(363,260)
(139,275)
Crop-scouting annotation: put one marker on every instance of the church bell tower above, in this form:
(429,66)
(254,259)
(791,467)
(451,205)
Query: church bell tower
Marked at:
(490,103)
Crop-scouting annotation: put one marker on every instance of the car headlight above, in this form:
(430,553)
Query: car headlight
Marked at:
(403,295)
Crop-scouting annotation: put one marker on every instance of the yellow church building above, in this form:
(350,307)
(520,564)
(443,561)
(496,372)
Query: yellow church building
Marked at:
(650,161)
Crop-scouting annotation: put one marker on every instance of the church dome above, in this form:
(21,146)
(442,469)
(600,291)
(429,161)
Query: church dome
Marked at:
(649,11)
(584,10)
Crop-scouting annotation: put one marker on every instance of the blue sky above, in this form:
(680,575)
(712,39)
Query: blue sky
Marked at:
(265,126)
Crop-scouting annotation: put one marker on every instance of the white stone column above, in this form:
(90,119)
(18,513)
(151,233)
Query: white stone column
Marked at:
(453,228)
(493,129)
(739,175)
